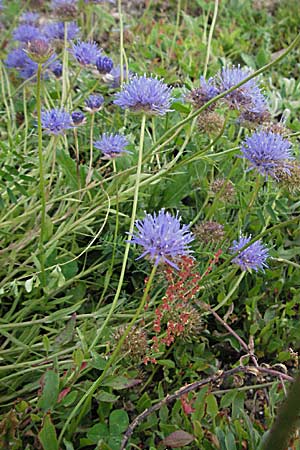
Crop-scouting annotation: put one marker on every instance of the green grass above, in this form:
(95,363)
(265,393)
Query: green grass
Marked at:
(60,375)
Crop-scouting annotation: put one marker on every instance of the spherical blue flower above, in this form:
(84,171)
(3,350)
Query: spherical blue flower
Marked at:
(145,94)
(56,30)
(94,103)
(78,118)
(30,18)
(1,5)
(26,33)
(243,97)
(86,53)
(56,121)
(253,257)
(112,145)
(163,238)
(18,59)
(104,64)
(267,152)
(204,93)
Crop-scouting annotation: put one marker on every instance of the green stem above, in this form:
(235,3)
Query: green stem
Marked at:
(87,396)
(89,174)
(211,32)
(121,42)
(41,173)
(176,28)
(131,227)
(65,91)
(231,292)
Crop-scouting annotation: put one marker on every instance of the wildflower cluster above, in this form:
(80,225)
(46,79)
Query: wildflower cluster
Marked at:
(248,99)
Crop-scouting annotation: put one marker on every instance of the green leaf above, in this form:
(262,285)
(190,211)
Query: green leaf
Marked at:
(98,432)
(178,106)
(212,405)
(166,363)
(50,391)
(106,397)
(118,421)
(47,435)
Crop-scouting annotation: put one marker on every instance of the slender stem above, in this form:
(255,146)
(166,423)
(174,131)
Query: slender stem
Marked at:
(41,173)
(25,112)
(89,174)
(80,407)
(65,91)
(176,28)
(75,132)
(121,42)
(133,214)
(211,32)
(231,292)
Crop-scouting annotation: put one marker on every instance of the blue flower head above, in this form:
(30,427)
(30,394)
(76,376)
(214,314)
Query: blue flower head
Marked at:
(204,93)
(26,33)
(56,121)
(30,18)
(163,238)
(86,53)
(112,145)
(78,118)
(56,30)
(94,103)
(145,94)
(253,257)
(18,59)
(243,97)
(104,64)
(267,152)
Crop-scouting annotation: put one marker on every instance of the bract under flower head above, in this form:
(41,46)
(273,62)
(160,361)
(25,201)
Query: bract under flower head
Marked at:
(163,238)
(56,121)
(253,257)
(86,53)
(112,145)
(145,94)
(267,151)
